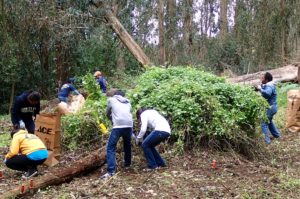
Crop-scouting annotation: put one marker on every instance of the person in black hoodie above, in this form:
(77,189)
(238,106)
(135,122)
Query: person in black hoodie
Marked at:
(25,108)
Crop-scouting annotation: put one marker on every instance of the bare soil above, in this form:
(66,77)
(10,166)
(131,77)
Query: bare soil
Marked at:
(188,176)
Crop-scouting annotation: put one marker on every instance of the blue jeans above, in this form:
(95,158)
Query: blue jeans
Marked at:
(270,126)
(63,99)
(153,158)
(29,125)
(114,137)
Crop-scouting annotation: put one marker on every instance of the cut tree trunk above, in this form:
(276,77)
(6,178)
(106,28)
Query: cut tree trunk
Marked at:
(125,37)
(287,73)
(61,175)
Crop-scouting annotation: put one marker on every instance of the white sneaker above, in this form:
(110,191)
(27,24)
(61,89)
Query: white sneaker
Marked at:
(106,176)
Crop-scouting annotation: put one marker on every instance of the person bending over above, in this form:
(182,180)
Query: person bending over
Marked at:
(25,108)
(66,89)
(119,111)
(160,132)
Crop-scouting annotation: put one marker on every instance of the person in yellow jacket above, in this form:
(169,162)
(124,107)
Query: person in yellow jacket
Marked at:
(26,152)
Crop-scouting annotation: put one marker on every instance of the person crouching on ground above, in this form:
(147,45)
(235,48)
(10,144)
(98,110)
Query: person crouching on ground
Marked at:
(25,108)
(66,89)
(268,91)
(26,152)
(119,111)
(161,131)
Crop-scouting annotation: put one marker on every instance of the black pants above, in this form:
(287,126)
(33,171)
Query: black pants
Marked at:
(23,163)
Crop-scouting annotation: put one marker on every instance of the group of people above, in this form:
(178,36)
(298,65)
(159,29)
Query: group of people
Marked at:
(68,87)
(27,151)
(119,111)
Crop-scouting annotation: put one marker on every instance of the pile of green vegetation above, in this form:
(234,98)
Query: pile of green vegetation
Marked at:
(201,107)
(82,129)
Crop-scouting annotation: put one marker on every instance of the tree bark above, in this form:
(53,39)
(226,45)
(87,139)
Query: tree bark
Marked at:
(125,37)
(284,30)
(170,30)
(223,19)
(162,55)
(58,176)
(288,73)
(12,94)
(187,23)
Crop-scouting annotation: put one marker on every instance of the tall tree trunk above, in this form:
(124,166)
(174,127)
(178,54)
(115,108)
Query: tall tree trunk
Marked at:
(161,28)
(223,19)
(170,30)
(284,30)
(12,94)
(125,37)
(187,23)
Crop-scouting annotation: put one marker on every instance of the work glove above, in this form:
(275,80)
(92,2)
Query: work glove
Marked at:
(138,141)
(21,124)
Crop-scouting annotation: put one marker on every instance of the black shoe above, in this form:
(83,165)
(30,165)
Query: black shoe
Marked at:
(30,173)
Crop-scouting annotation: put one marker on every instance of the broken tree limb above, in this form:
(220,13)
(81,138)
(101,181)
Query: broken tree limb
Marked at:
(287,73)
(125,37)
(61,175)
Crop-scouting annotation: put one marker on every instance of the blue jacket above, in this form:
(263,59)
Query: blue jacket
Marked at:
(66,89)
(22,109)
(102,82)
(268,91)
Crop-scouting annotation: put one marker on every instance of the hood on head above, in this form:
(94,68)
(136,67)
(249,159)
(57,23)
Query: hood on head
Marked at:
(121,99)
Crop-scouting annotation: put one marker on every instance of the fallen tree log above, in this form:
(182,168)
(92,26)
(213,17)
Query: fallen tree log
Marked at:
(287,73)
(59,175)
(122,33)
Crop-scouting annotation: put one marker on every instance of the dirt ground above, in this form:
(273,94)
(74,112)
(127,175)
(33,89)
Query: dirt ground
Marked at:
(188,176)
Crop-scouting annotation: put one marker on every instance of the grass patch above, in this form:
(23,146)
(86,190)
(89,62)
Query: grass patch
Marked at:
(4,139)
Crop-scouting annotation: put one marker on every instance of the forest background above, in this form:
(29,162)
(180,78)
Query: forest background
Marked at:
(42,43)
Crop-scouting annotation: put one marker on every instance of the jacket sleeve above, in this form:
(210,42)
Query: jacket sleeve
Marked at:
(15,111)
(266,91)
(74,89)
(108,108)
(102,83)
(37,110)
(14,147)
(144,122)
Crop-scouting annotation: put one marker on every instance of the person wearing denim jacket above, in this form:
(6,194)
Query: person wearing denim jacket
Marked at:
(119,111)
(268,91)
(160,132)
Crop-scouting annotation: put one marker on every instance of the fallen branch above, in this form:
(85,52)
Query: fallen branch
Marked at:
(61,175)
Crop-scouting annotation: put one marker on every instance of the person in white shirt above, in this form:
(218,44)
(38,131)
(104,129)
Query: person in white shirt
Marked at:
(160,132)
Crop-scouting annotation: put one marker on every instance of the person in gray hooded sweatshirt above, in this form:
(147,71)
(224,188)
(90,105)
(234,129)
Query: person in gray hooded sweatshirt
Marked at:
(119,111)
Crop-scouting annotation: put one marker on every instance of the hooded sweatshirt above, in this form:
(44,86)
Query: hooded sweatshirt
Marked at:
(66,89)
(119,110)
(26,144)
(22,109)
(268,91)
